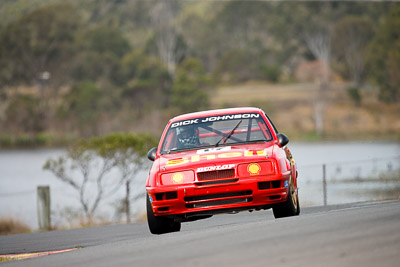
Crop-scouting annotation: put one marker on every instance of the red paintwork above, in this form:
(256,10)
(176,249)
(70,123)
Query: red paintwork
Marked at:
(278,161)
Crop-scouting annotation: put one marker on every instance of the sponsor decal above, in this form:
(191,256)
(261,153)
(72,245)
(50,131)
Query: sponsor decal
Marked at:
(215,118)
(213,150)
(249,153)
(177,178)
(254,169)
(183,123)
(226,155)
(177,161)
(286,184)
(216,168)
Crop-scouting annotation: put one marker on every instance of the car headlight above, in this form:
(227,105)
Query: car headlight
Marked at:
(174,178)
(256,169)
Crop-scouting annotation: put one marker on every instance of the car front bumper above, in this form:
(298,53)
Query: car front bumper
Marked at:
(216,197)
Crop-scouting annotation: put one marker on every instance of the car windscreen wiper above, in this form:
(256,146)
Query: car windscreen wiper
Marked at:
(175,150)
(257,141)
(225,138)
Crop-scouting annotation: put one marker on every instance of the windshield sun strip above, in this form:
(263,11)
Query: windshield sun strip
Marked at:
(172,151)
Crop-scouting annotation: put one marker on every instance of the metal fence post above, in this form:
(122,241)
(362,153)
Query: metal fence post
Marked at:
(43,207)
(324,184)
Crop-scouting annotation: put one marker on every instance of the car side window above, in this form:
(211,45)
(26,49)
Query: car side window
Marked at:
(273,126)
(170,141)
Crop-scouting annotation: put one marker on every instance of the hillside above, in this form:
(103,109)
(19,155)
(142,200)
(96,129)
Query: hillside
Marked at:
(290,106)
(73,69)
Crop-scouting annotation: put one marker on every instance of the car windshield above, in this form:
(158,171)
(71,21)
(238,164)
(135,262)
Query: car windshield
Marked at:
(212,131)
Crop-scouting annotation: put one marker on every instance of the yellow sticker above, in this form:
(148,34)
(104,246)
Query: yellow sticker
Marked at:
(254,169)
(177,178)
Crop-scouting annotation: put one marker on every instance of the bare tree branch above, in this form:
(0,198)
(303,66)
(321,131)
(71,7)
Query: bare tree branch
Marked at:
(319,43)
(166,35)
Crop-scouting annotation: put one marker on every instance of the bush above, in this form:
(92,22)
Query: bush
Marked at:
(5,141)
(354,94)
(42,139)
(271,73)
(82,106)
(24,114)
(237,66)
(24,141)
(10,226)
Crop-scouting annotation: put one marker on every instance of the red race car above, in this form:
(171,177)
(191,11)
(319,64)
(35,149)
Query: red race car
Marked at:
(219,161)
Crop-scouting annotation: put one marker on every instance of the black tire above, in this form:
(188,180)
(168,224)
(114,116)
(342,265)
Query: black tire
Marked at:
(160,224)
(291,207)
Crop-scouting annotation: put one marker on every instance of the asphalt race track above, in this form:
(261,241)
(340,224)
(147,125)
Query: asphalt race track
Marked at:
(366,234)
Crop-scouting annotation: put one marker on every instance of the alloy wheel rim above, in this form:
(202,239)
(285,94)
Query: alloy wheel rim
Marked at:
(293,196)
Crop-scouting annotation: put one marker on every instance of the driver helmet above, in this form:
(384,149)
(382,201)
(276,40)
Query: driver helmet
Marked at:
(188,135)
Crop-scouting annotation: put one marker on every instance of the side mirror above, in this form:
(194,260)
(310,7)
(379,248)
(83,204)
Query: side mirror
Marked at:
(283,140)
(151,155)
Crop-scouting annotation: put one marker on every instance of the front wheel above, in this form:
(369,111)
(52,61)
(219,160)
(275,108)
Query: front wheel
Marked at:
(291,207)
(160,224)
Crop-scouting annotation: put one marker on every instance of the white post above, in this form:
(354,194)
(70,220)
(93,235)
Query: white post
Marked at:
(43,207)
(324,185)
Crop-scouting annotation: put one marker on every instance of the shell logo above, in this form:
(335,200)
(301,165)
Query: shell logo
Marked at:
(254,169)
(177,178)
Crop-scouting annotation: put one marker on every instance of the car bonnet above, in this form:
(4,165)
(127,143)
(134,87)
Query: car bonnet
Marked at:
(215,156)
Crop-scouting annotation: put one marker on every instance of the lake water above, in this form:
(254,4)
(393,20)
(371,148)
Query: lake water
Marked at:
(352,170)
(21,173)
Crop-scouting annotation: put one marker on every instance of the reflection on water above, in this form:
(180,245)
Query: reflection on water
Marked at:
(21,173)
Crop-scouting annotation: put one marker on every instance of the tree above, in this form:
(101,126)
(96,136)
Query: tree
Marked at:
(316,30)
(94,158)
(145,81)
(129,152)
(166,33)
(384,57)
(11,10)
(242,25)
(237,66)
(350,37)
(90,182)
(319,43)
(35,50)
(23,115)
(196,19)
(101,50)
(82,106)
(189,91)
(41,41)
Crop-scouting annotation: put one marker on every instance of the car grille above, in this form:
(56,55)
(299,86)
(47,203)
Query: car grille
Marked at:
(218,199)
(214,175)
(220,181)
